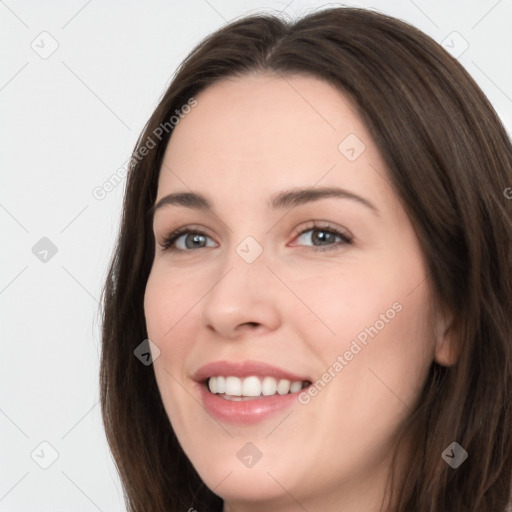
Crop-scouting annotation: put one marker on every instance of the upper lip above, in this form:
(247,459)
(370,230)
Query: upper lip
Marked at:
(244,369)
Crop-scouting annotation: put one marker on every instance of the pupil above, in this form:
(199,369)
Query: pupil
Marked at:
(324,236)
(195,238)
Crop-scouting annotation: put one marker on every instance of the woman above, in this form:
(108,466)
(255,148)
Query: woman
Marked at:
(315,256)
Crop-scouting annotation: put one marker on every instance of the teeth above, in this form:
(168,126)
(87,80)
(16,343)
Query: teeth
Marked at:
(283,386)
(221,384)
(253,386)
(269,386)
(295,386)
(233,386)
(212,385)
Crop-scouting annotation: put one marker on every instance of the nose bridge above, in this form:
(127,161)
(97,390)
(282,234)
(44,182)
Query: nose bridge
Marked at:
(244,246)
(244,271)
(240,294)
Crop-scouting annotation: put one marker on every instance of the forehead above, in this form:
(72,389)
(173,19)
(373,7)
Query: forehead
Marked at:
(264,132)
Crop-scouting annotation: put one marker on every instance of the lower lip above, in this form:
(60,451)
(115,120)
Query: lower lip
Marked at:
(245,412)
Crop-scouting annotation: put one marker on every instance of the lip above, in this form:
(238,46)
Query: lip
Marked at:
(244,412)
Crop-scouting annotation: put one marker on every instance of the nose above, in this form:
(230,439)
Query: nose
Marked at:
(243,298)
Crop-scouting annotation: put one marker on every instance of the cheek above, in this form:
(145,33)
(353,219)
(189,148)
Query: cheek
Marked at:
(167,312)
(375,383)
(157,299)
(172,309)
(168,300)
(378,320)
(347,300)
(386,350)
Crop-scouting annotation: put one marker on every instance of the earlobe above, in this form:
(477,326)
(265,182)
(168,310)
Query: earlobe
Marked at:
(446,352)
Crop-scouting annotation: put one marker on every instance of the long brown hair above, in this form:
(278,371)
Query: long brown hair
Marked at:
(450,163)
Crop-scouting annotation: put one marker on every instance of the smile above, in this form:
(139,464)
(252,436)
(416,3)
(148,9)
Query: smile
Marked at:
(247,392)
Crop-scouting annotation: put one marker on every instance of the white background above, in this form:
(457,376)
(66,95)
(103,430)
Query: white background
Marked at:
(68,122)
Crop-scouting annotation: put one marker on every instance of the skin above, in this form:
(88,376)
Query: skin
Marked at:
(247,139)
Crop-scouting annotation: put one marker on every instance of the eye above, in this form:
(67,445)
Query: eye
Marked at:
(325,236)
(171,242)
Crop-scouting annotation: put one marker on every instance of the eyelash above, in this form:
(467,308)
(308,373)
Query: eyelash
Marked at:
(167,242)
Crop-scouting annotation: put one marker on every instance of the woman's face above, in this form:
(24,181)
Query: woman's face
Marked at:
(270,290)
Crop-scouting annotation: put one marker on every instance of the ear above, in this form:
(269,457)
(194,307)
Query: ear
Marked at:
(446,353)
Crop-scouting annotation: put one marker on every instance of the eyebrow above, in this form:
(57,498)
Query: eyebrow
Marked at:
(281,200)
